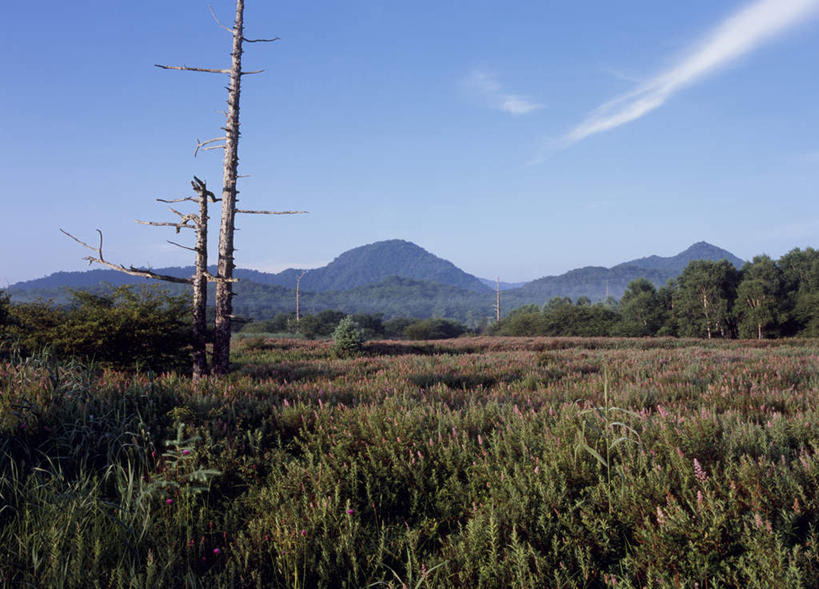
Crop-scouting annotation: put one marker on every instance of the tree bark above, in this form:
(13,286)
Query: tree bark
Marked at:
(200,286)
(224,290)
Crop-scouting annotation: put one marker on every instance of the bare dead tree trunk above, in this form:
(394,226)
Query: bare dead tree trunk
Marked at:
(201,276)
(224,291)
(298,284)
(226,264)
(497,301)
(200,284)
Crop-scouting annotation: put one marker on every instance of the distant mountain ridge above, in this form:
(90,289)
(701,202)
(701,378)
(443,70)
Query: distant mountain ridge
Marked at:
(676,264)
(394,277)
(372,263)
(597,282)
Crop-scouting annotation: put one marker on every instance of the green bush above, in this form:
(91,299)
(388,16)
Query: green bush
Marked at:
(348,337)
(435,329)
(126,328)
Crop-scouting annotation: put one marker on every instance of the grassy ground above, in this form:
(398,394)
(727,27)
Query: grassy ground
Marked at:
(478,462)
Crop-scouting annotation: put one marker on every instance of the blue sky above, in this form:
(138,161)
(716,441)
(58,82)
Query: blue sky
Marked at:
(516,139)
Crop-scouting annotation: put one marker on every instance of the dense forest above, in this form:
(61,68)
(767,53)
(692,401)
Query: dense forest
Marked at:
(764,299)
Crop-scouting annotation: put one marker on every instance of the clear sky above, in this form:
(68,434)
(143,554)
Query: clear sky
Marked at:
(515,139)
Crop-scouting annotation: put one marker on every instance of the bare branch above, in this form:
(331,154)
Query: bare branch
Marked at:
(200,144)
(248,212)
(212,278)
(176,226)
(212,147)
(185,218)
(213,14)
(250,73)
(184,247)
(246,40)
(190,198)
(193,69)
(120,268)
(201,188)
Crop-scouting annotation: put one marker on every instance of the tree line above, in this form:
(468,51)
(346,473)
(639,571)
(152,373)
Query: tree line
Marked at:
(764,299)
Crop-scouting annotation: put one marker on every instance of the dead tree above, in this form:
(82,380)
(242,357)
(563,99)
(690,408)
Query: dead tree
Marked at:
(298,284)
(199,282)
(201,276)
(497,301)
(230,144)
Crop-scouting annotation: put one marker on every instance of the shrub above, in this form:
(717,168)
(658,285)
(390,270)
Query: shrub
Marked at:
(435,329)
(348,338)
(126,327)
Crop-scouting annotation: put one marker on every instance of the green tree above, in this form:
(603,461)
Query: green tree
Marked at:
(641,311)
(348,337)
(703,301)
(761,303)
(435,329)
(4,309)
(800,273)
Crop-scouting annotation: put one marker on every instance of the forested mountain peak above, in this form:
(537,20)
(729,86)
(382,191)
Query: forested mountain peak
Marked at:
(372,263)
(702,250)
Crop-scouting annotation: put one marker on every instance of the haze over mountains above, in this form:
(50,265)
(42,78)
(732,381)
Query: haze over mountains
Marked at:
(397,278)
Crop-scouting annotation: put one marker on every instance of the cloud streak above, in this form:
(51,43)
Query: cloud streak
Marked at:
(490,90)
(738,35)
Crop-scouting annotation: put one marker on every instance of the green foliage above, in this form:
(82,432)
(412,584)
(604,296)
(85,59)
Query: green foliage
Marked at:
(348,337)
(126,327)
(394,328)
(475,462)
(319,325)
(281,323)
(704,298)
(761,304)
(559,317)
(641,310)
(428,329)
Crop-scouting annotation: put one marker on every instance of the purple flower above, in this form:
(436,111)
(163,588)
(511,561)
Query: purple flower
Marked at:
(185,452)
(216,551)
(304,532)
(168,501)
(350,512)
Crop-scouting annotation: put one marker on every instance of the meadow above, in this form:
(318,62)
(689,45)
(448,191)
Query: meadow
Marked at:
(474,462)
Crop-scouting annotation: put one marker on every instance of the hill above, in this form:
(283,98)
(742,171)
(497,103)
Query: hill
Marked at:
(674,265)
(597,282)
(371,264)
(396,278)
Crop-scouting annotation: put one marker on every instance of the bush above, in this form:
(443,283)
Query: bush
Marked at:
(395,327)
(125,328)
(435,329)
(279,324)
(348,337)
(319,325)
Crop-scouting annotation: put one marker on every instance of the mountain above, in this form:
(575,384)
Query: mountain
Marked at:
(674,265)
(371,264)
(597,282)
(493,284)
(396,278)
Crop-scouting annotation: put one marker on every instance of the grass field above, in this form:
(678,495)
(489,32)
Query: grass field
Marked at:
(477,462)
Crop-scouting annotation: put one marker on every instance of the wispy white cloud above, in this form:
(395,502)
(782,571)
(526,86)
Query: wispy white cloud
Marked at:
(739,34)
(490,90)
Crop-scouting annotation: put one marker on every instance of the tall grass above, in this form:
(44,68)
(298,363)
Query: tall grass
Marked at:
(498,462)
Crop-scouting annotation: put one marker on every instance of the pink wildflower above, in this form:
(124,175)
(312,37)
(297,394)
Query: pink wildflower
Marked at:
(699,473)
